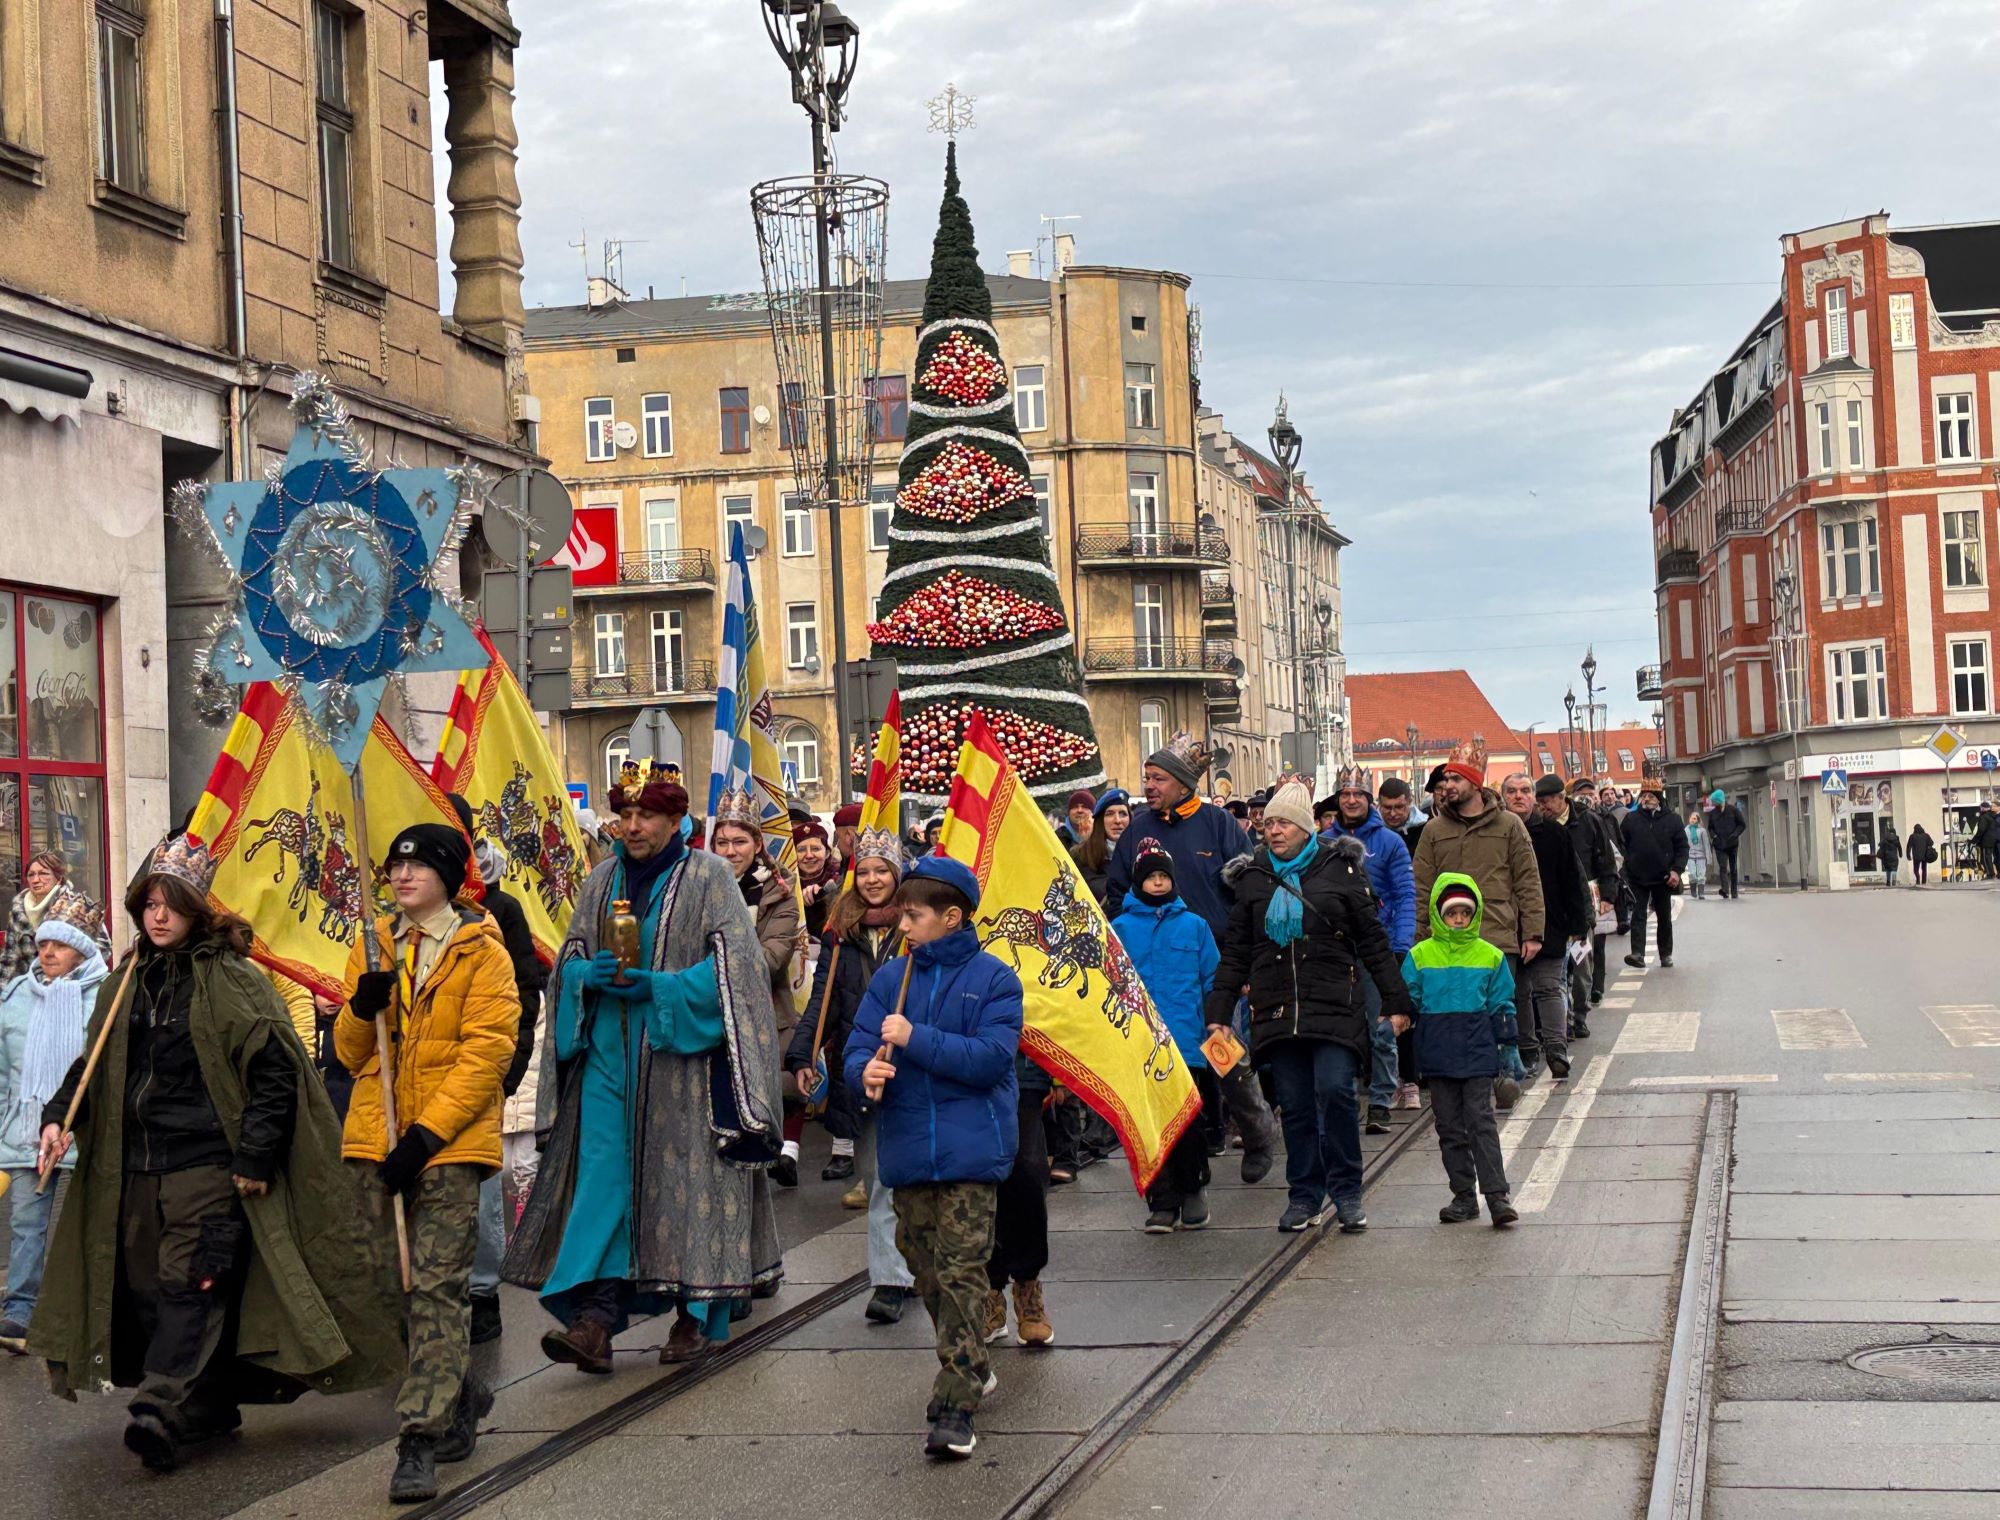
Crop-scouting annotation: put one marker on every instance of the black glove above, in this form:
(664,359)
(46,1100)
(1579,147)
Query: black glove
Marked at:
(372,991)
(407,1161)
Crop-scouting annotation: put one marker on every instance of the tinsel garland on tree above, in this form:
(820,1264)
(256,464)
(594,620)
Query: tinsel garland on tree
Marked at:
(969,608)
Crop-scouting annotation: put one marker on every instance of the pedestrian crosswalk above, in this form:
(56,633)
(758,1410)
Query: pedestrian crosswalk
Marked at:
(1816,1029)
(1966,1024)
(1655,1034)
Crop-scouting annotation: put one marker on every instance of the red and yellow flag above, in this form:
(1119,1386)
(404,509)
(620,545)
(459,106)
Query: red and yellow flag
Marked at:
(278,814)
(1089,1022)
(493,754)
(884,797)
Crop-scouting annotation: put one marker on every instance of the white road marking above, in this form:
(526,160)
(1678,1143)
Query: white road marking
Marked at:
(1554,1159)
(1816,1029)
(1966,1024)
(1514,1124)
(1658,1034)
(1616,1003)
(1900,1076)
(1729,1081)
(1625,986)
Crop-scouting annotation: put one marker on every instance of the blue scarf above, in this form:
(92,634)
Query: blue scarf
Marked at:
(1285,914)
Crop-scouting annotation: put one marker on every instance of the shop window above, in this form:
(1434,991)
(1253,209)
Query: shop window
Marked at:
(51,738)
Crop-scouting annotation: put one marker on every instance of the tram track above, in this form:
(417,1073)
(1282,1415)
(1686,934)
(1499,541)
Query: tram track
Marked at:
(1058,1483)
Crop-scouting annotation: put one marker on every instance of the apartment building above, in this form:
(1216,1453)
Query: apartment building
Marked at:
(199,201)
(1823,520)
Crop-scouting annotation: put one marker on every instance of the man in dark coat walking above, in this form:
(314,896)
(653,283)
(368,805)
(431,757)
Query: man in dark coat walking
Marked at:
(1542,1008)
(1597,858)
(1725,832)
(1656,852)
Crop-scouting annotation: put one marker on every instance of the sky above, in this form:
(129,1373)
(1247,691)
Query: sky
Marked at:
(1485,249)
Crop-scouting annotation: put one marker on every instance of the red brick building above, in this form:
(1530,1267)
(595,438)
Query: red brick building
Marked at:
(1823,514)
(1443,707)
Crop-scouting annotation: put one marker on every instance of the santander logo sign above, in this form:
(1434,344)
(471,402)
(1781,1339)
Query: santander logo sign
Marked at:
(591,551)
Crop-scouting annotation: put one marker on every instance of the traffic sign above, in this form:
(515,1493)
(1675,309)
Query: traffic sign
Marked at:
(550,595)
(1988,760)
(1833,784)
(1945,743)
(579,794)
(530,502)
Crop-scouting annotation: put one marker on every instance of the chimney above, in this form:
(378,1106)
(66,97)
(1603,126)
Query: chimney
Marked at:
(1021,262)
(1065,250)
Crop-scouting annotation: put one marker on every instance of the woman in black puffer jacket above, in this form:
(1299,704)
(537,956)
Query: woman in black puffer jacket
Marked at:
(1302,933)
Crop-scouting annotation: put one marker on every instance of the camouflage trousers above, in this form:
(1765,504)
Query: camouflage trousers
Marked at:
(944,1231)
(443,1211)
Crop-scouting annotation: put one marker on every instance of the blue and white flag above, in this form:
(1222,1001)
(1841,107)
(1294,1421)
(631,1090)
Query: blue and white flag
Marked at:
(746,749)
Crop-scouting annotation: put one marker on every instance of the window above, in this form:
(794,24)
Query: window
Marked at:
(1139,412)
(1954,426)
(1726,604)
(1835,299)
(121,126)
(1142,491)
(52,743)
(336,137)
(1856,683)
(1149,626)
(1823,417)
(1548,760)
(617,750)
(669,652)
(1903,321)
(1031,398)
(797,525)
(1625,759)
(1964,555)
(1138,323)
(597,424)
(1152,727)
(663,527)
(881,509)
(1969,691)
(628,356)
(888,408)
(1042,509)
(1748,567)
(657,412)
(791,415)
(608,643)
(738,512)
(1854,450)
(801,635)
(801,753)
(1850,563)
(735,406)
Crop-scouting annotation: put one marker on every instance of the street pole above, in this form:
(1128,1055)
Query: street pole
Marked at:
(1285,447)
(524,574)
(837,553)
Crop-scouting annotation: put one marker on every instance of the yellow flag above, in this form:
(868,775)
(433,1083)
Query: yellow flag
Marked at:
(277,815)
(1089,1022)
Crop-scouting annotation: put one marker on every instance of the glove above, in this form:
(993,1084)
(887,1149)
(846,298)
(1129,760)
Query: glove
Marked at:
(372,991)
(406,1162)
(1510,1062)
(601,976)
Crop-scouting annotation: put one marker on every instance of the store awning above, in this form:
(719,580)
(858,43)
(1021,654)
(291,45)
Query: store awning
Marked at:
(34,386)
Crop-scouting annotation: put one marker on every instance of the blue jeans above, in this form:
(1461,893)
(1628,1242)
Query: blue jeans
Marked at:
(886,1268)
(1315,1080)
(1384,1078)
(29,1243)
(492,1247)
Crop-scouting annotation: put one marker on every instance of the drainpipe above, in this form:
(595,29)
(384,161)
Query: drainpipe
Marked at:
(232,222)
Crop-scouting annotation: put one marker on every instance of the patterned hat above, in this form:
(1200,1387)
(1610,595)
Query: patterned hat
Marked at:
(1468,759)
(1184,758)
(185,859)
(1354,778)
(879,844)
(71,919)
(1652,778)
(740,808)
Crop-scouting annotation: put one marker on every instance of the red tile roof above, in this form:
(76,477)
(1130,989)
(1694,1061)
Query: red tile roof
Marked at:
(1446,706)
(1624,751)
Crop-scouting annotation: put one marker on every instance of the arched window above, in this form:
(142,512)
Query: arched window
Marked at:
(617,750)
(798,749)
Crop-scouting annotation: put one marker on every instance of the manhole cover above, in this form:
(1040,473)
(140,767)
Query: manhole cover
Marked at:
(1944,1362)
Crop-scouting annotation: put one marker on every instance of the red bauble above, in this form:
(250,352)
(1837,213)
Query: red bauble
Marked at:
(963,372)
(960,483)
(960,611)
(934,736)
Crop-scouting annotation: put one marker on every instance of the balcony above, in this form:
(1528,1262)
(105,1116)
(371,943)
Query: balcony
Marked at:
(1679,565)
(684,681)
(1218,603)
(1739,518)
(1651,687)
(663,570)
(1160,543)
(1154,659)
(1225,701)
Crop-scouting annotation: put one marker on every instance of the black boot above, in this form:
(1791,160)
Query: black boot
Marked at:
(151,1440)
(416,1476)
(475,1403)
(485,1318)
(839,1169)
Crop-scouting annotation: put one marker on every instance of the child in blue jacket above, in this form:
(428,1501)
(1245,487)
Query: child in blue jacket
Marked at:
(1462,995)
(1173,950)
(935,1056)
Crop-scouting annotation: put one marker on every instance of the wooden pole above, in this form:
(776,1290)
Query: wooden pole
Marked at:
(90,1067)
(886,1051)
(384,1053)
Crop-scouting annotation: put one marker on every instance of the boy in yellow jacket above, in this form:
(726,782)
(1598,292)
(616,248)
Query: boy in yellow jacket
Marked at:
(447,988)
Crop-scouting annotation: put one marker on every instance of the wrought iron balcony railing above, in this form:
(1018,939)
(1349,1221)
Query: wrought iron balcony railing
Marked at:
(642,682)
(1162,656)
(673,567)
(1679,565)
(1152,542)
(1650,684)
(1738,518)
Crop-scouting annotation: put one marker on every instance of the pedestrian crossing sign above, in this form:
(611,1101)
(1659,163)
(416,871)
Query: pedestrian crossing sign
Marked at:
(1834,784)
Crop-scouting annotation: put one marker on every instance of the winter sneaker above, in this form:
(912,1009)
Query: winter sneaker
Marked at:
(475,1403)
(996,1316)
(1349,1214)
(1579,1029)
(416,1476)
(885,1306)
(1031,1318)
(13,1337)
(785,1171)
(951,1438)
(839,1169)
(485,1318)
(1559,1067)
(1256,1166)
(1596,997)
(1408,1097)
(1506,1093)
(992,1382)
(1667,961)
(855,1197)
(1299,1217)
(1378,1119)
(1637,962)
(1462,1207)
(1163,1221)
(1194,1211)
(1503,1211)
(149,1439)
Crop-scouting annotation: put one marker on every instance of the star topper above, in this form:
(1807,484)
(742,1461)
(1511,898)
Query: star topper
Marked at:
(951,112)
(336,564)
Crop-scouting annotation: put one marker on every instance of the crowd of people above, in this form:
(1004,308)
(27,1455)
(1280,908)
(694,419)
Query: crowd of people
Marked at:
(610,1132)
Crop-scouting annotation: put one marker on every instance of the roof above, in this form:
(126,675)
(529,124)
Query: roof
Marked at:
(1446,706)
(1961,263)
(743,309)
(1617,743)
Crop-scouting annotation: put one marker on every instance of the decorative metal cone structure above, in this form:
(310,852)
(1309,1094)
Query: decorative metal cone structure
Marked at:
(969,608)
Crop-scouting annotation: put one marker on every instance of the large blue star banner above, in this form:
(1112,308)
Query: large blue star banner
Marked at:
(338,575)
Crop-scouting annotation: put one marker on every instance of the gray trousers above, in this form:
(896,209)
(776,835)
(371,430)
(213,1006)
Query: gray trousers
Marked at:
(1541,1003)
(1468,1134)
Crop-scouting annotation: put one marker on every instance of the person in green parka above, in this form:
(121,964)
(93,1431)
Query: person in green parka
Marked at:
(208,1252)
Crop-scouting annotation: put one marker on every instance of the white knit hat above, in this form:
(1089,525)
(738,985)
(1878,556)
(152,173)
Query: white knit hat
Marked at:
(1293,804)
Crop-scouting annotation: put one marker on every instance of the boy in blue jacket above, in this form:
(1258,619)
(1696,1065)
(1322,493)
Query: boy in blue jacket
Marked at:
(936,1057)
(1173,950)
(1462,995)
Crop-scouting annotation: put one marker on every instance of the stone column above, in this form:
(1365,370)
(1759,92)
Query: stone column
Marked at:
(485,195)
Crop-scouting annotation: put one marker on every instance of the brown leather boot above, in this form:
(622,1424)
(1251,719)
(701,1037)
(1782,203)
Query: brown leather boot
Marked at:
(1031,1319)
(688,1342)
(585,1345)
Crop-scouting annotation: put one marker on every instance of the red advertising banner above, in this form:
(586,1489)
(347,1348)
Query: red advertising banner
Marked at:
(591,552)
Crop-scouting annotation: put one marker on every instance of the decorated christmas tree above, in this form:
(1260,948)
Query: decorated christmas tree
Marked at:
(970,609)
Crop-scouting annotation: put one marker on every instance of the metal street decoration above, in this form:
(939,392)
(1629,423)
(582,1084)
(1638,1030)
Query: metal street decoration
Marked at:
(335,580)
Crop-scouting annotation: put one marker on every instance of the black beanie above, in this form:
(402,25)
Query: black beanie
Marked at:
(1436,778)
(1151,861)
(436,845)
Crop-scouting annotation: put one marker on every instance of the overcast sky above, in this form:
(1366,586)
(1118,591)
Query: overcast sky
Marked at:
(1485,248)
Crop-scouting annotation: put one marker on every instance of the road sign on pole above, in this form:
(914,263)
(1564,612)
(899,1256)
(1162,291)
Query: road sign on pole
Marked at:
(1945,743)
(1833,784)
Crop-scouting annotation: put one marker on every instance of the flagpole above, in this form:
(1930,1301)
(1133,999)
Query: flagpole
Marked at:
(384,1058)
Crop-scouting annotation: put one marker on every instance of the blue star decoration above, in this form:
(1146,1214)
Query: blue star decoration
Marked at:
(336,564)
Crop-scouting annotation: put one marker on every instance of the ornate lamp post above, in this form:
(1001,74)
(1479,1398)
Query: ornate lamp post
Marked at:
(1286,446)
(1411,735)
(1569,736)
(1590,734)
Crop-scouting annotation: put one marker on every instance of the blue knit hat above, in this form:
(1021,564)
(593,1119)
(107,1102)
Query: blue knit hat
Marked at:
(952,873)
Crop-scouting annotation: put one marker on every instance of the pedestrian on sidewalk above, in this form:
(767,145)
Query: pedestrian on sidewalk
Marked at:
(44,882)
(1725,832)
(1541,1000)
(1656,849)
(1889,850)
(1697,871)
(1597,857)
(1175,956)
(1303,930)
(1388,861)
(934,1051)
(1923,850)
(1462,999)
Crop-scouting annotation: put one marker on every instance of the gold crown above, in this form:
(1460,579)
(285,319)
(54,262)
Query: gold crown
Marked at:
(1353,778)
(186,859)
(1469,754)
(740,808)
(879,844)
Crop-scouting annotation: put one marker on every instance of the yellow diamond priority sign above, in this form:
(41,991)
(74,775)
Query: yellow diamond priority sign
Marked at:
(1945,743)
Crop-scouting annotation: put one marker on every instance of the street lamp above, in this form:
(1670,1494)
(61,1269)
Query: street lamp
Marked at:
(1590,707)
(1410,734)
(1286,446)
(1569,734)
(1791,671)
